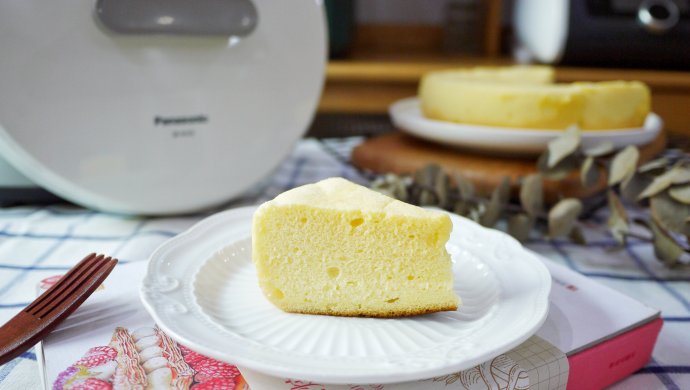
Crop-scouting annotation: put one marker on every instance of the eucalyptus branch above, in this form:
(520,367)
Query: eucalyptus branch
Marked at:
(661,185)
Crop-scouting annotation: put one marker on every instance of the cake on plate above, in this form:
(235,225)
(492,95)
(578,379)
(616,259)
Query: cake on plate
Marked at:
(527,97)
(338,248)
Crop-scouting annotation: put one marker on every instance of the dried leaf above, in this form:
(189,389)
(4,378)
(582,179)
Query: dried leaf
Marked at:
(465,187)
(618,219)
(519,226)
(461,207)
(600,149)
(577,236)
(654,165)
(384,191)
(669,214)
(623,164)
(666,249)
(679,174)
(589,173)
(499,198)
(681,194)
(476,212)
(503,190)
(542,161)
(563,146)
(427,198)
(675,175)
(562,169)
(562,217)
(493,209)
(441,189)
(632,187)
(532,194)
(400,190)
(391,185)
(426,176)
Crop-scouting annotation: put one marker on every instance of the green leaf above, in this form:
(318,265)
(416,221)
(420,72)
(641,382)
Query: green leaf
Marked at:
(519,226)
(618,218)
(623,164)
(563,146)
(562,217)
(532,194)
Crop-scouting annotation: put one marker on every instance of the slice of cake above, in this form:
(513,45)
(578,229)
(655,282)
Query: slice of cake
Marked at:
(338,248)
(538,106)
(614,104)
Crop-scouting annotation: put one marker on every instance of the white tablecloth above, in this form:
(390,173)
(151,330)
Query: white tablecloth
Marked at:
(37,242)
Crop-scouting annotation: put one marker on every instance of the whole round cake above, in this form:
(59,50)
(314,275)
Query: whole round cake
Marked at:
(526,97)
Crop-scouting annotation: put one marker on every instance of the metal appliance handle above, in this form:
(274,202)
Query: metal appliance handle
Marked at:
(178,17)
(658,16)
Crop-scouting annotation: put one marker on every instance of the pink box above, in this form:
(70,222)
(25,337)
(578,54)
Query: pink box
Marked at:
(605,334)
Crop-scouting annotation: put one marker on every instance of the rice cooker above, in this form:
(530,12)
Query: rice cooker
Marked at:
(155,106)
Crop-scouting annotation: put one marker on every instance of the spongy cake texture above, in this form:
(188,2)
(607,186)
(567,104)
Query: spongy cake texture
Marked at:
(338,248)
(526,97)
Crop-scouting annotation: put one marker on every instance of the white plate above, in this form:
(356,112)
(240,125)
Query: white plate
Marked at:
(201,288)
(407,116)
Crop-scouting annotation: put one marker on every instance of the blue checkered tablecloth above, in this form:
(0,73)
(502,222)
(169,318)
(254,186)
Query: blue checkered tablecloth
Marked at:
(37,242)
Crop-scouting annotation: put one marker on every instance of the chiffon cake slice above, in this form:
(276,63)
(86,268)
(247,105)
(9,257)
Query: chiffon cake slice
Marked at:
(338,248)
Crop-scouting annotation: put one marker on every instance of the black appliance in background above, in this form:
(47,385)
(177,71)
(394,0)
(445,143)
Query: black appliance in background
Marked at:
(608,33)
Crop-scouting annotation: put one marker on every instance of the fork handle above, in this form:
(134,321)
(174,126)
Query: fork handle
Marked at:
(15,338)
(24,330)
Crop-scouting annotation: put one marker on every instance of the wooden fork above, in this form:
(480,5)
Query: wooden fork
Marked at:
(43,314)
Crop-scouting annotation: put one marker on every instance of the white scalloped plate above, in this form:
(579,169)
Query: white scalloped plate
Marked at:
(201,288)
(407,116)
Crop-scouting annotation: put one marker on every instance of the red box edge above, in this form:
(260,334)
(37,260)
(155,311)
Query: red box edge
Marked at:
(612,360)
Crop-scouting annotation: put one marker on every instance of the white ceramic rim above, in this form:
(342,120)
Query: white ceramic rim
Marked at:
(166,298)
(406,115)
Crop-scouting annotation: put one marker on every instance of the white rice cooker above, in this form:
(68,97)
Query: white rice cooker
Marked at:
(155,106)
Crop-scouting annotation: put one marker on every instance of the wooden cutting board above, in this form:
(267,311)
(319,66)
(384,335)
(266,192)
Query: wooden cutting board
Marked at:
(400,153)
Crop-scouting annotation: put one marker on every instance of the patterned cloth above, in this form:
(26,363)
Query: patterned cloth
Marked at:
(37,242)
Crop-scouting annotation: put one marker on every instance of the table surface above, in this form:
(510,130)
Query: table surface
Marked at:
(41,241)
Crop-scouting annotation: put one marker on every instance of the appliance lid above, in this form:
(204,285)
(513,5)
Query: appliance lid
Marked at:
(156,120)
